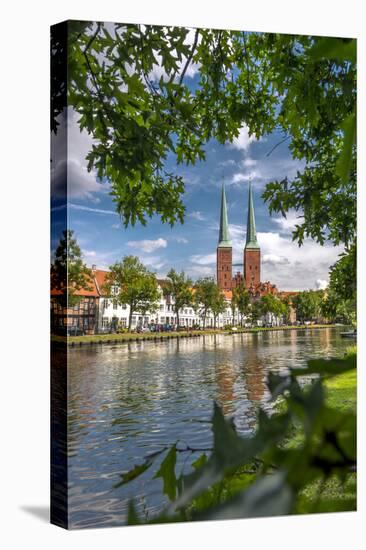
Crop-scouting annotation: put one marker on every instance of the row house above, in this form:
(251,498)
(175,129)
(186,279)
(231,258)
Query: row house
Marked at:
(97,312)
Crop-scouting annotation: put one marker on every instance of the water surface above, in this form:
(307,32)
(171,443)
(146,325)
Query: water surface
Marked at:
(129,400)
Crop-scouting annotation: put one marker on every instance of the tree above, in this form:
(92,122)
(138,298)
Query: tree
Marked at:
(179,287)
(129,282)
(336,309)
(273,305)
(303,88)
(342,280)
(218,304)
(205,292)
(68,271)
(308,305)
(255,311)
(286,308)
(241,301)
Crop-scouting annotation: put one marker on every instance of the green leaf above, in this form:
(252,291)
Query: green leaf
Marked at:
(138,469)
(167,472)
(339,49)
(201,461)
(132,516)
(344,162)
(269,496)
(133,474)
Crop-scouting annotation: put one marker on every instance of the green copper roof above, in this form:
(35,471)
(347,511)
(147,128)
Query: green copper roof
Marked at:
(251,241)
(224,236)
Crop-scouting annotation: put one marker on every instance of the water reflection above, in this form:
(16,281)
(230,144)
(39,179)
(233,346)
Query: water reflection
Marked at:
(127,401)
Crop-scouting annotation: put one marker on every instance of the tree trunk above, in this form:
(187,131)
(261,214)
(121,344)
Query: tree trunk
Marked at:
(130,319)
(177,314)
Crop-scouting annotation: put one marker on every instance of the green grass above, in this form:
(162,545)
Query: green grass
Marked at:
(133,336)
(332,495)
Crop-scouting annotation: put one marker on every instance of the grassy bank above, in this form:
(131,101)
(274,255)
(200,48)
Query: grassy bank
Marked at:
(332,495)
(156,336)
(329,495)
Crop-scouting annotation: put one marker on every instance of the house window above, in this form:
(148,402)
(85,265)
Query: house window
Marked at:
(115,304)
(161,307)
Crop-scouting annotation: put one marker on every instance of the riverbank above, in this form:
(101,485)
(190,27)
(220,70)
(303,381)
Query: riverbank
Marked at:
(325,495)
(153,336)
(332,495)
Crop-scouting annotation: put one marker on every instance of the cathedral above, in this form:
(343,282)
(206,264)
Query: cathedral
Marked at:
(251,275)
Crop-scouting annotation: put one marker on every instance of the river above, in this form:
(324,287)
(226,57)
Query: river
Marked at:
(129,400)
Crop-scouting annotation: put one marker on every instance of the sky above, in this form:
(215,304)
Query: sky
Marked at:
(192,246)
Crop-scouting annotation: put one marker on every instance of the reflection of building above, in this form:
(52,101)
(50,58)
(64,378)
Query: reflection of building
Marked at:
(254,373)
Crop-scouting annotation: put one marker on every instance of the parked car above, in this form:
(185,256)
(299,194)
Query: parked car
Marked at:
(142,329)
(74,330)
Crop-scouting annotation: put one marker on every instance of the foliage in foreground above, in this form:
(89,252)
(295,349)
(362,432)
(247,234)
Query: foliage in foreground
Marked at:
(270,473)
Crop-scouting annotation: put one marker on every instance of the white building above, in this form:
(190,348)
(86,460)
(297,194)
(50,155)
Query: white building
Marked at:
(112,315)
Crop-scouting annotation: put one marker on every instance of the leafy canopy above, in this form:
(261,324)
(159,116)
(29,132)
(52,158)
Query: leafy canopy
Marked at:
(179,288)
(302,87)
(130,282)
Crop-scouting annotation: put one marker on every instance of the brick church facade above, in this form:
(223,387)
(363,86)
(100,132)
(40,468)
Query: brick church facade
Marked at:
(251,276)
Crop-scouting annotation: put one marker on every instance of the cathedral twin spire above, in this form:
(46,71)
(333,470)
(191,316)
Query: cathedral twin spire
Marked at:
(224,235)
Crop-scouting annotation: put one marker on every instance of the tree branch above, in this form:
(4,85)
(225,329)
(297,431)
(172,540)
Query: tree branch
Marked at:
(189,58)
(277,145)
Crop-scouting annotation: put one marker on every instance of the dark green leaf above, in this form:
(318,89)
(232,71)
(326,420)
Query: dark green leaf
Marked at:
(167,472)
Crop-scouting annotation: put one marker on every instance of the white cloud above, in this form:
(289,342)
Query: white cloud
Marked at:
(266,169)
(287,225)
(274,259)
(248,162)
(148,245)
(181,240)
(70,165)
(321,284)
(240,177)
(90,209)
(201,271)
(243,140)
(197,215)
(298,267)
(203,259)
(228,162)
(89,253)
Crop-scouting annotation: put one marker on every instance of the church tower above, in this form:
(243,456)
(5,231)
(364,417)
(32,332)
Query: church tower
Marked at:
(224,254)
(252,253)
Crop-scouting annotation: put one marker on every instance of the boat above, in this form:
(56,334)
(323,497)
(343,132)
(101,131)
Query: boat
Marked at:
(349,334)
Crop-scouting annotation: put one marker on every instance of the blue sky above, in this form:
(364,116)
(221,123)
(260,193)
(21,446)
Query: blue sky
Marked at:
(192,246)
